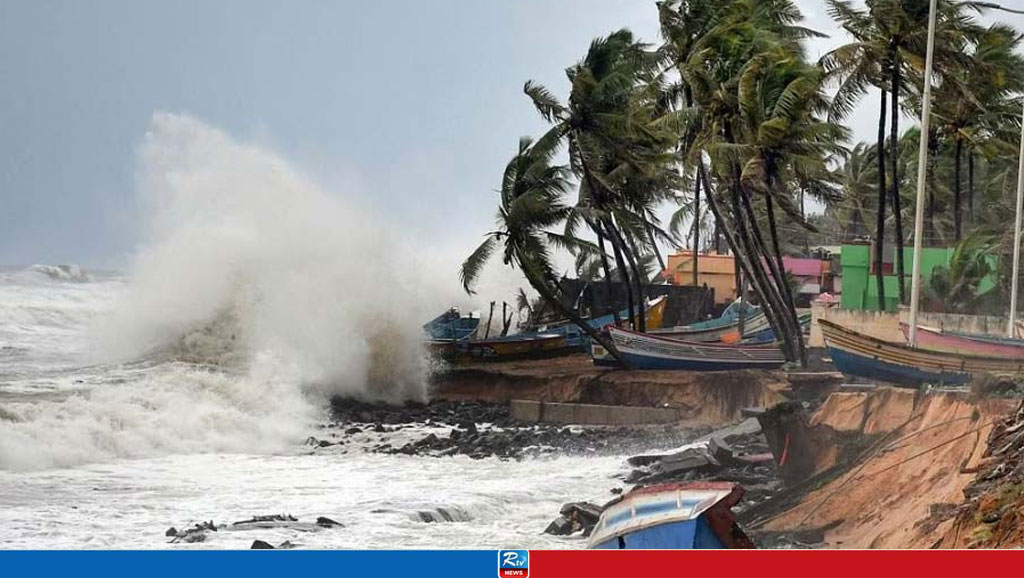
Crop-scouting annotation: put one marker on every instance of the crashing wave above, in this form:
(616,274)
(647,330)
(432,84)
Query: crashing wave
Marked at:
(72,273)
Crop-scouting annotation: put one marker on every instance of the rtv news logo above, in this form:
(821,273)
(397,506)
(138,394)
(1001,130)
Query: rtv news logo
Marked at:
(513,563)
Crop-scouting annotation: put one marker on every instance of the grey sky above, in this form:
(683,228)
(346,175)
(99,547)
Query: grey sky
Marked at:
(412,106)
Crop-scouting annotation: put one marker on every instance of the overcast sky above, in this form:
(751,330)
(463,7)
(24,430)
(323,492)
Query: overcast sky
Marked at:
(411,106)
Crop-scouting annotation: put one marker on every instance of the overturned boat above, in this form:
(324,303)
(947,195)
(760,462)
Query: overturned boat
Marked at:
(676,516)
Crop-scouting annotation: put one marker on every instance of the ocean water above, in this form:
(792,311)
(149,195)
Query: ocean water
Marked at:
(110,456)
(182,390)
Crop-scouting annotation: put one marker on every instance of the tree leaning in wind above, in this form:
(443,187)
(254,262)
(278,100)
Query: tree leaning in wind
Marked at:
(620,151)
(887,53)
(746,92)
(531,204)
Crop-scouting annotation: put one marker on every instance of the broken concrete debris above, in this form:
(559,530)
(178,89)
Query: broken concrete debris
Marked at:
(574,517)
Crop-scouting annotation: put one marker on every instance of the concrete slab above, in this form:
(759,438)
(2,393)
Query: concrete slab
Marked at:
(591,414)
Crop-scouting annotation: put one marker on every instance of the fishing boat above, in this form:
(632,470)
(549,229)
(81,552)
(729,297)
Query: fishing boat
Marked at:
(676,516)
(451,326)
(866,356)
(960,342)
(576,337)
(767,334)
(521,346)
(647,351)
(716,329)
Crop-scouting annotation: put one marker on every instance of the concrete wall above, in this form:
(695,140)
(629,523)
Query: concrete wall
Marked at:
(589,414)
(886,325)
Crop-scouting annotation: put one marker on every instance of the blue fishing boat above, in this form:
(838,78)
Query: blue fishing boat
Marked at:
(898,363)
(677,516)
(451,326)
(647,351)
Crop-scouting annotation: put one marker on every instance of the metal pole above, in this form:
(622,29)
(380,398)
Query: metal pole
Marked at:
(922,175)
(1016,241)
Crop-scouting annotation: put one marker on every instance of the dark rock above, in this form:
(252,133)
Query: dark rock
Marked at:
(268,518)
(991,518)
(582,515)
(286,545)
(260,545)
(172,531)
(810,536)
(328,523)
(560,526)
(452,514)
(353,430)
(379,428)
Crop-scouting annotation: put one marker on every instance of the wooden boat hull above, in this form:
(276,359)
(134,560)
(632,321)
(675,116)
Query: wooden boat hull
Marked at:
(873,358)
(515,347)
(752,326)
(965,343)
(647,351)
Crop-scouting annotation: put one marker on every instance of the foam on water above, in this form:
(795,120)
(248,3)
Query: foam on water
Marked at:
(378,498)
(183,390)
(285,294)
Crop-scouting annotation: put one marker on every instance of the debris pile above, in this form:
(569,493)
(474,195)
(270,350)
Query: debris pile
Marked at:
(736,454)
(993,514)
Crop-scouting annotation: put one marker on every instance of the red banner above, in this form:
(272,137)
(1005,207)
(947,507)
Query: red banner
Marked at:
(775,563)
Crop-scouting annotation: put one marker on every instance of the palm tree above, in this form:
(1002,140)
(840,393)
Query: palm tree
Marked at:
(532,192)
(723,65)
(859,185)
(618,150)
(972,99)
(784,138)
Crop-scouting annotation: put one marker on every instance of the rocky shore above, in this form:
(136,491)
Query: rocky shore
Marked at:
(479,430)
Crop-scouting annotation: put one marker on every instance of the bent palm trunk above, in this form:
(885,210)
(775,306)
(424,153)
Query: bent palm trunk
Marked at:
(545,291)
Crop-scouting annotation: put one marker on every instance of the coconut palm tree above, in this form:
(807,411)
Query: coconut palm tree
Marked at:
(974,100)
(724,64)
(887,53)
(531,204)
(859,185)
(619,149)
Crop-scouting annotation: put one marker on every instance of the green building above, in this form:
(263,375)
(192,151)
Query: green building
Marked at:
(860,288)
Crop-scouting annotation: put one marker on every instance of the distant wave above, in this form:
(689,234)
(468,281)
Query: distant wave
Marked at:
(62,272)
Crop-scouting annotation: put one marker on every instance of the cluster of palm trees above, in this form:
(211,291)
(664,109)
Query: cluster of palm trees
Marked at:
(728,120)
(975,104)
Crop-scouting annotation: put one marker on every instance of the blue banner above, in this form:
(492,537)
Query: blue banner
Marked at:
(255,563)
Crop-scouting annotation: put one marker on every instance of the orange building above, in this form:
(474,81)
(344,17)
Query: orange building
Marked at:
(716,271)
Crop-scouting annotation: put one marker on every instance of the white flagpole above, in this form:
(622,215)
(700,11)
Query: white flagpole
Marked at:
(922,175)
(1010,329)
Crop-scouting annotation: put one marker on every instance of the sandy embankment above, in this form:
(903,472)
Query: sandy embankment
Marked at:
(904,490)
(706,399)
